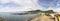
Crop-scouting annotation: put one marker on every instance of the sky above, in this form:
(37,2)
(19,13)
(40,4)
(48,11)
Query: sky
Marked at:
(50,4)
(27,5)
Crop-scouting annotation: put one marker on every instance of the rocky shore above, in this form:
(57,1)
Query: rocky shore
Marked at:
(42,17)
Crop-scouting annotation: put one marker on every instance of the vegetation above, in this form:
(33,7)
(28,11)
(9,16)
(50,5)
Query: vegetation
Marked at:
(34,12)
(40,11)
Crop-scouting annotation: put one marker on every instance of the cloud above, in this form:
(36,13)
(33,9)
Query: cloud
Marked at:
(27,5)
(9,4)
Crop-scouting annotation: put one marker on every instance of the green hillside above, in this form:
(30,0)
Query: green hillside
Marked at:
(40,11)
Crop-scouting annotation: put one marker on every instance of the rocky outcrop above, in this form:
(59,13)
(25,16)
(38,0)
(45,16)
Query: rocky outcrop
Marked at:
(42,18)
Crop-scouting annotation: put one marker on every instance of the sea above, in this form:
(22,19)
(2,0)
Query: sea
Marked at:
(10,17)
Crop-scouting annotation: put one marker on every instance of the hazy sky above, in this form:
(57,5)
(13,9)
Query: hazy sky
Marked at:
(26,5)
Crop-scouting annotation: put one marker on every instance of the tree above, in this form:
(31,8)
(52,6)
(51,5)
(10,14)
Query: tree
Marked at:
(50,11)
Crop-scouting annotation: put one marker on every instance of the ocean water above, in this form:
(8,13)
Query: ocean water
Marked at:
(11,17)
